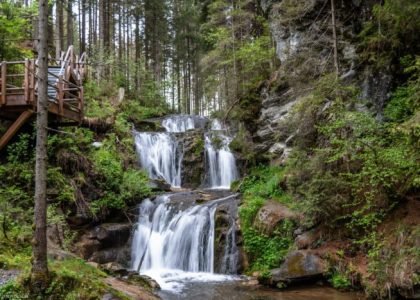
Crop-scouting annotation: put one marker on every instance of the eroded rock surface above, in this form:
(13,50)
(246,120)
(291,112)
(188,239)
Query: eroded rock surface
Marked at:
(271,214)
(109,242)
(300,265)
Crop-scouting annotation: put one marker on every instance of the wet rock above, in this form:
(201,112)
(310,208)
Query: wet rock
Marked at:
(157,185)
(306,239)
(109,242)
(114,268)
(118,254)
(143,280)
(86,247)
(271,214)
(193,165)
(300,265)
(112,234)
(228,239)
(148,125)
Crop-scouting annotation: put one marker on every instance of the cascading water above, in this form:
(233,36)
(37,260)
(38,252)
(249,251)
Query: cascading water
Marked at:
(173,241)
(183,123)
(221,162)
(160,155)
(176,243)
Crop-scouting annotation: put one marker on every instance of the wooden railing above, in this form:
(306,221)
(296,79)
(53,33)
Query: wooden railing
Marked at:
(18,84)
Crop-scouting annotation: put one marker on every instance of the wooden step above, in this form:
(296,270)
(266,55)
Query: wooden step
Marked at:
(24,116)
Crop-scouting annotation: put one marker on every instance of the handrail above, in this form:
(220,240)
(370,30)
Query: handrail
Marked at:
(64,84)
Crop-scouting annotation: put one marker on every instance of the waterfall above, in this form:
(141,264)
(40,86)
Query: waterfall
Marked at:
(160,155)
(221,163)
(171,240)
(183,123)
(174,238)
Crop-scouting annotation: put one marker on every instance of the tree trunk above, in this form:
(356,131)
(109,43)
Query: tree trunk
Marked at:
(60,28)
(39,273)
(334,38)
(69,23)
(83,27)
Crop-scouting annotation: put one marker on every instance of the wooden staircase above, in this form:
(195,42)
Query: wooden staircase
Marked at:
(19,91)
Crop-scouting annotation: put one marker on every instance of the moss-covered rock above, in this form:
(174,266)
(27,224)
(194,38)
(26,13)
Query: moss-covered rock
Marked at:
(298,266)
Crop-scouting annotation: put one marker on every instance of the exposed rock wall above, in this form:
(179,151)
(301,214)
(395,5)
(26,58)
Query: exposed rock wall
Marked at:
(193,162)
(302,32)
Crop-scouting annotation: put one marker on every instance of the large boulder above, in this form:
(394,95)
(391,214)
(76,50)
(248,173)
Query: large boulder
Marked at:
(271,214)
(300,265)
(109,242)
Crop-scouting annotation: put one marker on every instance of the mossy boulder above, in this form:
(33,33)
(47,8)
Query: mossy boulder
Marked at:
(271,214)
(300,265)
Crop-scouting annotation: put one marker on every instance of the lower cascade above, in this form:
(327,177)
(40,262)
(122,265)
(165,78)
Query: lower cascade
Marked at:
(174,241)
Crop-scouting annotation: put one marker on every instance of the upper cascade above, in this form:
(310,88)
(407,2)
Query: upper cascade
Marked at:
(161,153)
(183,123)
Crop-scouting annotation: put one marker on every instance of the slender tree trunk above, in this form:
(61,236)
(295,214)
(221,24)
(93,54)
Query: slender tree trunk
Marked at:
(337,71)
(59,28)
(69,23)
(39,273)
(83,27)
(178,85)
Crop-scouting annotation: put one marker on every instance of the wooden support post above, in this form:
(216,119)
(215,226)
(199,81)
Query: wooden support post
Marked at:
(60,95)
(3,83)
(33,71)
(26,82)
(15,127)
(81,104)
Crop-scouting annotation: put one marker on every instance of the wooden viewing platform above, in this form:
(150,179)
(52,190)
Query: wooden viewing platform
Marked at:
(19,91)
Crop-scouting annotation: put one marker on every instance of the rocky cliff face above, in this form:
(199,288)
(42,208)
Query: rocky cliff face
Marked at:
(302,32)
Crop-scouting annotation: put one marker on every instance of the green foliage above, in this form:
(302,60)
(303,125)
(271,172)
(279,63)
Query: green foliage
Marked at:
(108,165)
(265,252)
(405,100)
(239,53)
(340,281)
(356,167)
(134,185)
(13,291)
(98,99)
(70,279)
(393,260)
(135,112)
(120,186)
(393,32)
(15,26)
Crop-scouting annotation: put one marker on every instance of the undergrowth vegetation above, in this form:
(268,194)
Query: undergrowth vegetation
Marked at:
(92,176)
(264,251)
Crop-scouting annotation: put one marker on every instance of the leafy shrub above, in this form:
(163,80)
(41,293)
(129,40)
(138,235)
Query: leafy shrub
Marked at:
(340,281)
(264,252)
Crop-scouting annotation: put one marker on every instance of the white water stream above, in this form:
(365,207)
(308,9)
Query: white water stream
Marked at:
(174,243)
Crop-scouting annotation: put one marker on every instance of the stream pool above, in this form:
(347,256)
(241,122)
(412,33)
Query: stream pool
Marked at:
(241,290)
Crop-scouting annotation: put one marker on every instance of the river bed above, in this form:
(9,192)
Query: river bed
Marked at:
(240,290)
